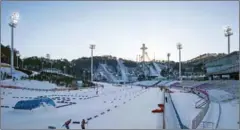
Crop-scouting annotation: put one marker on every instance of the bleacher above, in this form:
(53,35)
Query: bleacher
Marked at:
(230,86)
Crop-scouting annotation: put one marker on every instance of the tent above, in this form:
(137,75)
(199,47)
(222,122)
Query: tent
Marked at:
(31,104)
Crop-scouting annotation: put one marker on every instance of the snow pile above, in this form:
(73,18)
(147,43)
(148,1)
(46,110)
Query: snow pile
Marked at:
(34,73)
(17,74)
(146,83)
(29,84)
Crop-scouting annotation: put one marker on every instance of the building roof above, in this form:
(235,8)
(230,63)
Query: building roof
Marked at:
(219,58)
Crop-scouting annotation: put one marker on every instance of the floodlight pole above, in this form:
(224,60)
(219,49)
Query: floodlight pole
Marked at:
(179,47)
(12,25)
(92,47)
(168,55)
(228,33)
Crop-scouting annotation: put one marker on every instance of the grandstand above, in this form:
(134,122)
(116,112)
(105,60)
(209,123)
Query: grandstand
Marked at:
(226,65)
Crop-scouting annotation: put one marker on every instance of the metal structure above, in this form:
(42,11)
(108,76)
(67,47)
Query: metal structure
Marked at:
(13,23)
(228,32)
(48,57)
(18,55)
(179,47)
(143,48)
(168,55)
(92,46)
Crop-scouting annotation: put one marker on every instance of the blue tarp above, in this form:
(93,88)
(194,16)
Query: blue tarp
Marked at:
(31,104)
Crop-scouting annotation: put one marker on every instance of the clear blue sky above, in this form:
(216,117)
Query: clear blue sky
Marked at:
(65,29)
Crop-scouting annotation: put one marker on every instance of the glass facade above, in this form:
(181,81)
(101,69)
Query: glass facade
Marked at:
(223,63)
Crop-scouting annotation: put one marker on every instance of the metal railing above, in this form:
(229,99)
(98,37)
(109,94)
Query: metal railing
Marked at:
(206,125)
(197,120)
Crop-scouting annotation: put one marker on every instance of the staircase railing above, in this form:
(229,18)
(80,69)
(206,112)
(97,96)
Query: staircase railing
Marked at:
(198,119)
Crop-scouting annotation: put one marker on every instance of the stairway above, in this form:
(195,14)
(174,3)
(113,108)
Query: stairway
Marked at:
(200,103)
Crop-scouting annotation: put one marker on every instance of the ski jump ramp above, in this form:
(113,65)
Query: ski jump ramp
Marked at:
(123,70)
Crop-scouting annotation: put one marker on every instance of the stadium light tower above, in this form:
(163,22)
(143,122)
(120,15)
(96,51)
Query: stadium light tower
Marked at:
(228,32)
(18,55)
(92,47)
(168,55)
(13,24)
(179,47)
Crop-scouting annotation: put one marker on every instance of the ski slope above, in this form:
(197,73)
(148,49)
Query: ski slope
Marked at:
(158,69)
(123,70)
(152,71)
(109,76)
(17,74)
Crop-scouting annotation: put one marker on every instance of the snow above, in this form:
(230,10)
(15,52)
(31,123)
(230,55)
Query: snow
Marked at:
(34,73)
(55,71)
(170,116)
(126,115)
(211,116)
(17,74)
(157,68)
(185,104)
(45,116)
(133,114)
(29,84)
(219,95)
(229,116)
(123,70)
(147,83)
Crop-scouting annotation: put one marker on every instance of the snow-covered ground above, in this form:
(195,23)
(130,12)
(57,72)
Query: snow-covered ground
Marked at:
(148,82)
(229,115)
(108,98)
(17,74)
(185,105)
(219,95)
(115,107)
(135,114)
(29,84)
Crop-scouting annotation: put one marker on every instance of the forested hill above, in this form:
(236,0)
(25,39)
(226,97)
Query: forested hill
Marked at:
(74,67)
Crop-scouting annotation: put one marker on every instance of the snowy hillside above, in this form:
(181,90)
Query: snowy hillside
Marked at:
(29,84)
(17,74)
